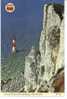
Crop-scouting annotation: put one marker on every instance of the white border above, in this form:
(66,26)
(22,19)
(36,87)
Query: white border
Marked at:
(0,45)
(65,47)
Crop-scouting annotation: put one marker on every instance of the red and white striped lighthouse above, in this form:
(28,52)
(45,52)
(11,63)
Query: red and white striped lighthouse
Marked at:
(13,45)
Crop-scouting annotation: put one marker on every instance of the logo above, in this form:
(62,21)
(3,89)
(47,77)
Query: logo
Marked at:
(10,7)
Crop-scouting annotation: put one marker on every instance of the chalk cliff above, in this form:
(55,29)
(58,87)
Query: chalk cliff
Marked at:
(43,64)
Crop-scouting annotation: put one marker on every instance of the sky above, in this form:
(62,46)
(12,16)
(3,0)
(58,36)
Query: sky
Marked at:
(25,23)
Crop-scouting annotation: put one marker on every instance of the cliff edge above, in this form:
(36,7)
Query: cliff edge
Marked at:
(42,65)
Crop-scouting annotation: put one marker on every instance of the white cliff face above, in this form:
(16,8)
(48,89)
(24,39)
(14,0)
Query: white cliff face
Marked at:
(53,22)
(50,57)
(60,57)
(30,69)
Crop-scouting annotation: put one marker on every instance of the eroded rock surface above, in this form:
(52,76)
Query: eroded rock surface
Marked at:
(45,64)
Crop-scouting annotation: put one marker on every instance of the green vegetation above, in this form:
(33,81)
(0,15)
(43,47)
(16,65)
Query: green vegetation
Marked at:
(13,66)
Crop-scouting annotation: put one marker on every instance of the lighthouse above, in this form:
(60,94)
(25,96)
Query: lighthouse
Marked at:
(14,46)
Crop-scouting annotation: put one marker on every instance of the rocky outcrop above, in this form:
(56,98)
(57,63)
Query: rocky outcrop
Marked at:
(42,65)
(30,71)
(13,85)
(58,81)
